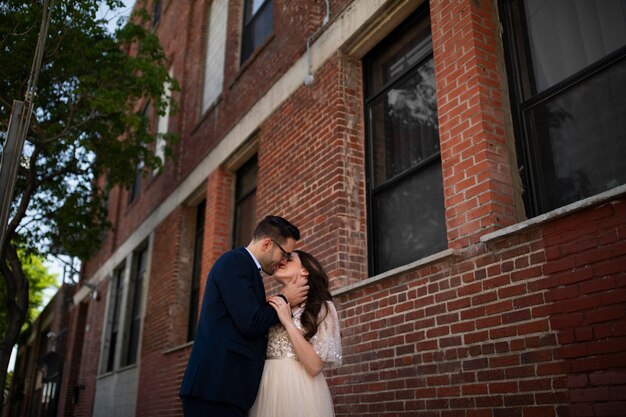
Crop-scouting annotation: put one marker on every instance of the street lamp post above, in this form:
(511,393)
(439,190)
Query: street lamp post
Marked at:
(11,154)
(18,126)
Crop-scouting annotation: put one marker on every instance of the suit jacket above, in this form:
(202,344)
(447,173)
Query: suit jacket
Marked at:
(228,354)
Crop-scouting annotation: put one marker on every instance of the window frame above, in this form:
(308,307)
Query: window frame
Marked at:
(114,314)
(245,54)
(521,77)
(163,125)
(368,99)
(134,306)
(196,271)
(250,163)
(214,70)
(157,10)
(135,190)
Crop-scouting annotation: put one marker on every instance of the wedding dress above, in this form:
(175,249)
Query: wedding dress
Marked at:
(286,389)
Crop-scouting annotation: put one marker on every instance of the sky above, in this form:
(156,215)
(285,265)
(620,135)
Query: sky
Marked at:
(113,16)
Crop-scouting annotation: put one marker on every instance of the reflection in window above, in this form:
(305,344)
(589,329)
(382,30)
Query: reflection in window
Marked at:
(406,117)
(215,53)
(566,36)
(258,24)
(163,125)
(405,190)
(568,98)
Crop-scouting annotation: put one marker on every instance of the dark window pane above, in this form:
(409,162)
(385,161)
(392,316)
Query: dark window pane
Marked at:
(404,124)
(245,219)
(410,219)
(398,56)
(156,13)
(247,178)
(116,300)
(245,204)
(258,25)
(195,274)
(578,139)
(137,298)
(565,36)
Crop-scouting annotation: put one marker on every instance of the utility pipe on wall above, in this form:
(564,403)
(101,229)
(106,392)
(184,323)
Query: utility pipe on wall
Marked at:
(308,79)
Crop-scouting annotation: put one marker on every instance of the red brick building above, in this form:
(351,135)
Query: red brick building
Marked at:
(457,166)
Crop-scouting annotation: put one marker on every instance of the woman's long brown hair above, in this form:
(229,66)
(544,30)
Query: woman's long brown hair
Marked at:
(317,296)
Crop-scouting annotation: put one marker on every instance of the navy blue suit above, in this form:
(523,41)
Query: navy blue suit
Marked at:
(228,354)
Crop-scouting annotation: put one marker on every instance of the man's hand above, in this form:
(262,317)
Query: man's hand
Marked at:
(296,290)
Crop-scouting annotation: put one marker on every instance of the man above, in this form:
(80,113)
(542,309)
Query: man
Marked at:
(226,362)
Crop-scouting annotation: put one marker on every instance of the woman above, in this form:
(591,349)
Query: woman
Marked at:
(306,340)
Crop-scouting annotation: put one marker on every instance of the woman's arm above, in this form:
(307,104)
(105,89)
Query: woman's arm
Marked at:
(303,349)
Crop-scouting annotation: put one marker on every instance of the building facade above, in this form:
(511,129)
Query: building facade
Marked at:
(456,165)
(45,361)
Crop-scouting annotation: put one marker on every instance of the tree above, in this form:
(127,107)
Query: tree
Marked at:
(39,279)
(88,127)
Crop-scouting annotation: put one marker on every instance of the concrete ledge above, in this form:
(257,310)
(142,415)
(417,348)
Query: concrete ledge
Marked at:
(556,214)
(437,257)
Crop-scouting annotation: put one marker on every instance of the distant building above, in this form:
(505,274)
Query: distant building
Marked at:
(42,364)
(457,166)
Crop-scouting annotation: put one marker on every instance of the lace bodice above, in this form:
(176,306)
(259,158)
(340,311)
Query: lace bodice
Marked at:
(326,342)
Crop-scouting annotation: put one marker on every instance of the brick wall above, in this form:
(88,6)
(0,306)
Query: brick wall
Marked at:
(586,291)
(477,174)
(528,325)
(165,322)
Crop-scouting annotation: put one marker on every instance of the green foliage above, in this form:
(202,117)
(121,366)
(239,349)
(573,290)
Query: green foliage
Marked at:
(92,91)
(40,279)
(88,132)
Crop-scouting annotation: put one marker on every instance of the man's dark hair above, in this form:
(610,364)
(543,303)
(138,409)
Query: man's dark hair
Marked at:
(277,228)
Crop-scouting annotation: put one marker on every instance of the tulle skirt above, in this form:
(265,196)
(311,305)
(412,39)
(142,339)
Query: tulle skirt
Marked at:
(287,390)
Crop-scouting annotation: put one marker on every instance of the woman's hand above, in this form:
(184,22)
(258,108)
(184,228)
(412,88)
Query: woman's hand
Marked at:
(303,349)
(282,309)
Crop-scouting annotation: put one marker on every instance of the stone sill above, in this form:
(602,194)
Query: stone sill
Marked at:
(555,214)
(437,257)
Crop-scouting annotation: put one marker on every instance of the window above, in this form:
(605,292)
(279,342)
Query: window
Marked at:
(163,125)
(566,61)
(112,338)
(124,313)
(135,298)
(196,271)
(156,12)
(258,23)
(245,203)
(215,53)
(404,179)
(135,189)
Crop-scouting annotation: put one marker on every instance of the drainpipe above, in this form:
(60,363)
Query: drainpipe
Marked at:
(308,79)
